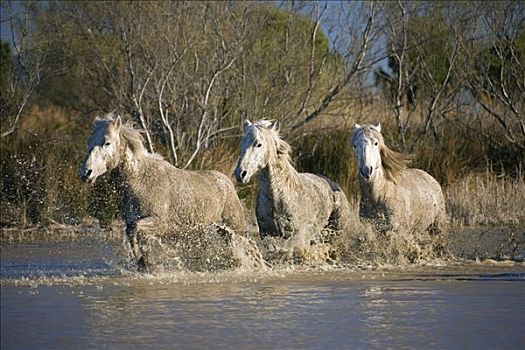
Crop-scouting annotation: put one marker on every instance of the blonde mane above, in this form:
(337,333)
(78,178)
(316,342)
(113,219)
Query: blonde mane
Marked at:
(131,136)
(282,147)
(283,152)
(134,139)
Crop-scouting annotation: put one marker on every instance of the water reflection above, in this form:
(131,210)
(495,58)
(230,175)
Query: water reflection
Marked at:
(434,308)
(145,313)
(59,259)
(399,313)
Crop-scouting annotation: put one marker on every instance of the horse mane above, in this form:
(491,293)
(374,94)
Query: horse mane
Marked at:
(134,138)
(394,163)
(283,149)
(130,134)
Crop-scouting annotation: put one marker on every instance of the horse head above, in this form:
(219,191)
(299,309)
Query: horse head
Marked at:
(257,148)
(103,148)
(367,142)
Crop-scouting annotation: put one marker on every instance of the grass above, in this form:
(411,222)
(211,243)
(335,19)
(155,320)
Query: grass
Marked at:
(484,199)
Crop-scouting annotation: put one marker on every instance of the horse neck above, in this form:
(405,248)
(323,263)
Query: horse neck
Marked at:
(278,178)
(129,165)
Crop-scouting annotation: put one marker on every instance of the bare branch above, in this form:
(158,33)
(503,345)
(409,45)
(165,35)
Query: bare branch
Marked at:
(205,110)
(356,68)
(312,61)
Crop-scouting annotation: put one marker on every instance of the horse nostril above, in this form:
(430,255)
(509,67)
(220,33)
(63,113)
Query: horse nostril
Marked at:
(243,174)
(86,175)
(371,169)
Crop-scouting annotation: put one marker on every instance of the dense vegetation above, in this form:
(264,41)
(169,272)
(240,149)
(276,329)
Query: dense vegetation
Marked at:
(446,80)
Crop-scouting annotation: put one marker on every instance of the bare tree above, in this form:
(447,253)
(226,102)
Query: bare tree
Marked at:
(399,87)
(427,63)
(498,80)
(357,35)
(29,65)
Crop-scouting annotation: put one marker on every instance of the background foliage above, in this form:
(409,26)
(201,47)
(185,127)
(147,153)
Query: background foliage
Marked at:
(445,79)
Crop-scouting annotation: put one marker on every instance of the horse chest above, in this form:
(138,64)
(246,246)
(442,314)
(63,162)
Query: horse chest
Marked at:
(274,216)
(374,207)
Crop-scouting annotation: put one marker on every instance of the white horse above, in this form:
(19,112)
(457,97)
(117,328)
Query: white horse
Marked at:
(288,202)
(154,194)
(394,197)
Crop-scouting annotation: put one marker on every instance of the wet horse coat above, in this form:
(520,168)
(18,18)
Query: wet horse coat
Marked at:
(393,196)
(288,202)
(154,194)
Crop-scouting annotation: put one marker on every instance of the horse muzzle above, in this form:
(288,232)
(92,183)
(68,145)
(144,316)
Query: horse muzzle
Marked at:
(85,175)
(241,176)
(366,173)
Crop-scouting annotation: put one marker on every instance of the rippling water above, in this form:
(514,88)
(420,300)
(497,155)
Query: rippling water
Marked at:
(81,295)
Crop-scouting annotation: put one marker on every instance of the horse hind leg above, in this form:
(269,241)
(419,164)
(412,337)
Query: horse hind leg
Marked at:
(234,219)
(441,223)
(439,232)
(233,214)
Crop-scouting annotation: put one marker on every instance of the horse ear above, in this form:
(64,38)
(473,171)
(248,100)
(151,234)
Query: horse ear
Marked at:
(378,127)
(111,116)
(357,126)
(276,126)
(246,124)
(117,123)
(96,121)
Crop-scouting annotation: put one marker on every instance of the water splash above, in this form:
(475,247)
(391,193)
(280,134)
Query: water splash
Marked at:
(215,248)
(199,249)
(207,254)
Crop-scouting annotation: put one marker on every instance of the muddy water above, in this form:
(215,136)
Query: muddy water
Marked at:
(82,295)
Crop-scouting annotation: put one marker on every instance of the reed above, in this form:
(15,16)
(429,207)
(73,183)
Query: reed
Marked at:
(481,199)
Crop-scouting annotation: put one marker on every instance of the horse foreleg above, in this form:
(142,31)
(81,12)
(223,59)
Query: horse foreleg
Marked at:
(131,233)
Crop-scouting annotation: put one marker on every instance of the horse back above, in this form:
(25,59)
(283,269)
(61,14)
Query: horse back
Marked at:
(232,213)
(323,185)
(417,179)
(190,197)
(339,206)
(330,198)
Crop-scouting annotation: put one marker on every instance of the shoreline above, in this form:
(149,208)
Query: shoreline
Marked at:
(466,242)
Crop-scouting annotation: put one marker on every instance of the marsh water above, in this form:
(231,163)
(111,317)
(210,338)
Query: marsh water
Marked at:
(81,294)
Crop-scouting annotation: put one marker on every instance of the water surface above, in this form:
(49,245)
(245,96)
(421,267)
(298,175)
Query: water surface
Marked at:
(80,295)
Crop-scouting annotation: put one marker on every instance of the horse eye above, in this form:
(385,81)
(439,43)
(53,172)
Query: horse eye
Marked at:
(107,144)
(376,143)
(259,145)
(354,145)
